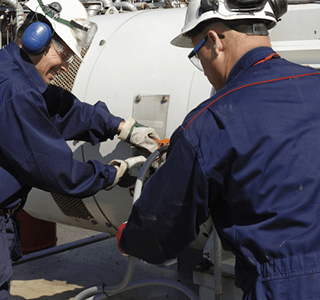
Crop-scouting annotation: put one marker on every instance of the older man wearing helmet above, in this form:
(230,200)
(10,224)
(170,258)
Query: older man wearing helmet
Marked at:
(36,118)
(248,156)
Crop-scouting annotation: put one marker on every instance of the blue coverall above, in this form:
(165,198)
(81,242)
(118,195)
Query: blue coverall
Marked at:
(250,157)
(35,121)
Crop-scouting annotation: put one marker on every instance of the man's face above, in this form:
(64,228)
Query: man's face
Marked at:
(51,64)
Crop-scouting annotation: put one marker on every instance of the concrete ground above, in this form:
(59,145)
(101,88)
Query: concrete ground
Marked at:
(63,275)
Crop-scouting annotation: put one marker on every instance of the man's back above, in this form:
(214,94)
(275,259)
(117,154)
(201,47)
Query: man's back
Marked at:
(260,137)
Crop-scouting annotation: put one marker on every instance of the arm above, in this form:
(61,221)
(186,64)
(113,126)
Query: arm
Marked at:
(78,120)
(94,123)
(37,154)
(173,204)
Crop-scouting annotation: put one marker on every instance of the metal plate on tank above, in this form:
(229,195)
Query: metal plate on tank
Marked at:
(152,110)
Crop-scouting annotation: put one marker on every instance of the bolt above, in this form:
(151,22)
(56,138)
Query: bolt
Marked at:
(138,99)
(164,99)
(108,225)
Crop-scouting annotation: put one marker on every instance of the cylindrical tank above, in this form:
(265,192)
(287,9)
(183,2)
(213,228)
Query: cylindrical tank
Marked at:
(134,69)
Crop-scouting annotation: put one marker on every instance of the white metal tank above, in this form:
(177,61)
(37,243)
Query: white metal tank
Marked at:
(134,69)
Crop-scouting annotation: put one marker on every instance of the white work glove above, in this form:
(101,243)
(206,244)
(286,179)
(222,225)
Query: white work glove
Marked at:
(123,177)
(139,135)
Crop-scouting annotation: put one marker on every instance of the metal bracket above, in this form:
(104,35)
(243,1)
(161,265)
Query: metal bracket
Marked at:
(152,110)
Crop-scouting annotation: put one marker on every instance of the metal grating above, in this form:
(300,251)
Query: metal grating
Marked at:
(72,207)
(66,79)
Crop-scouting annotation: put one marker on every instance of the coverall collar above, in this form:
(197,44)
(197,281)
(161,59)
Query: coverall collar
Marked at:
(249,59)
(25,63)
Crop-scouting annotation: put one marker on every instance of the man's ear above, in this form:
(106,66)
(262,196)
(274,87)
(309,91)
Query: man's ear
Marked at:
(215,40)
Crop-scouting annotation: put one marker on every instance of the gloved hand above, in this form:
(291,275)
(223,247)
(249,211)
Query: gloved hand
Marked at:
(119,234)
(160,160)
(139,135)
(123,177)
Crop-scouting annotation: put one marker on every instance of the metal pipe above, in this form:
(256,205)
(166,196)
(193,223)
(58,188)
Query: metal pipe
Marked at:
(62,248)
(11,28)
(1,17)
(18,8)
(107,3)
(124,5)
(217,266)
(93,10)
(302,1)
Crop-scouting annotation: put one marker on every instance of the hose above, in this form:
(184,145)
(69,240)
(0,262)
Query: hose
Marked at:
(110,289)
(145,283)
(104,292)
(144,170)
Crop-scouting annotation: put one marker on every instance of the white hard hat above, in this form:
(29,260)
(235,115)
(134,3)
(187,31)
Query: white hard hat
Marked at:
(69,20)
(267,11)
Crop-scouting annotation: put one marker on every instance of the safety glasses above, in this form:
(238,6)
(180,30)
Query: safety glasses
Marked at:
(65,56)
(193,56)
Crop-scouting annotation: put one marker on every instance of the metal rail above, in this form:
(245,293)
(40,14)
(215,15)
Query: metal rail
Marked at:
(62,248)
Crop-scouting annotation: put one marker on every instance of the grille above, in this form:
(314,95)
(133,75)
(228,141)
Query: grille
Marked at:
(72,207)
(66,79)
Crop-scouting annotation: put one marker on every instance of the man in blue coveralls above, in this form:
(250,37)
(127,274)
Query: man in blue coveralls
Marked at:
(36,118)
(249,157)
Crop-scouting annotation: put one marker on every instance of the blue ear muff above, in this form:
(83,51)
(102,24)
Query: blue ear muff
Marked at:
(36,38)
